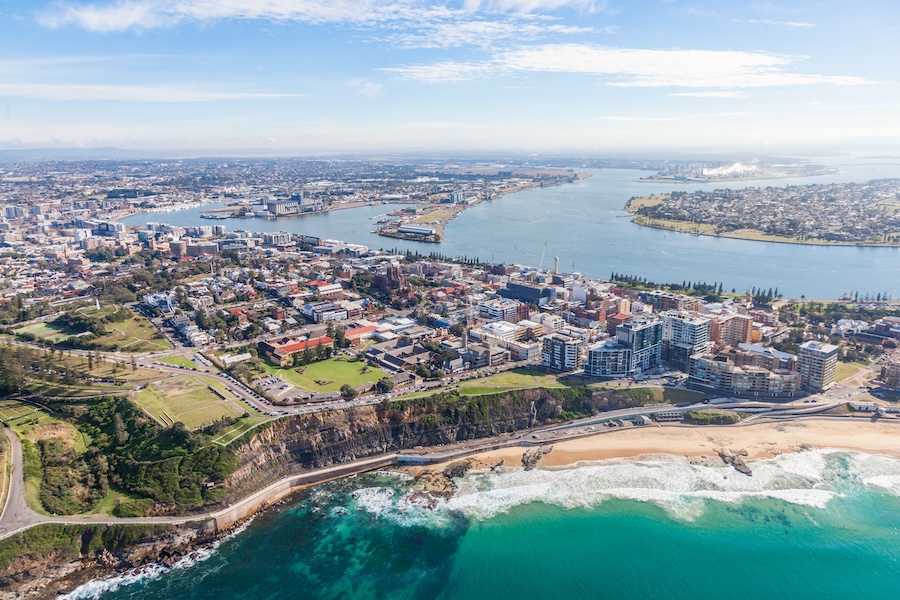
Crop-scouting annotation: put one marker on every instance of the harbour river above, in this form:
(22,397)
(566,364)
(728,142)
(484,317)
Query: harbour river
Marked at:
(585,225)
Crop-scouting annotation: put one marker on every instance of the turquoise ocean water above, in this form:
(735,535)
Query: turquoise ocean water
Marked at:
(815,524)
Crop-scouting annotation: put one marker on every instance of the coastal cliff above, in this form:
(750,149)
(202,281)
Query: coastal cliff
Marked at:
(317,440)
(46,559)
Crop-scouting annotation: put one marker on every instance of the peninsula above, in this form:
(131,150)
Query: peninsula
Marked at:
(849,214)
(457,189)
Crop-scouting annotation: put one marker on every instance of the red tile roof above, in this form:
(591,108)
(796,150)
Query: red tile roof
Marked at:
(306,344)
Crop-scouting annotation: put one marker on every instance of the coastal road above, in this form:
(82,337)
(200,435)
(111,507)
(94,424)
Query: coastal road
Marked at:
(18,516)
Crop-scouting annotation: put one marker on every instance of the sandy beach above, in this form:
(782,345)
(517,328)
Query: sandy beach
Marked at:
(764,440)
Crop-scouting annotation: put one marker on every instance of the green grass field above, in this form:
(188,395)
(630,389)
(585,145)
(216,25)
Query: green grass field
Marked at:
(845,370)
(241,427)
(44,332)
(178,361)
(512,380)
(188,399)
(134,334)
(109,369)
(12,410)
(333,371)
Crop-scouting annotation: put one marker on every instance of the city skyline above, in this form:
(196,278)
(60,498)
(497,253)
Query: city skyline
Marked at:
(575,76)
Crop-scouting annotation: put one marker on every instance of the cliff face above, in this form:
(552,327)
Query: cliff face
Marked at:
(324,439)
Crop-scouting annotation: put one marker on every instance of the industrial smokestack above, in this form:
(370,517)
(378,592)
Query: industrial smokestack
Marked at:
(556,265)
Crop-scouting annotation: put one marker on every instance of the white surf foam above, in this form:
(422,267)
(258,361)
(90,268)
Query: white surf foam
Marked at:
(93,590)
(811,478)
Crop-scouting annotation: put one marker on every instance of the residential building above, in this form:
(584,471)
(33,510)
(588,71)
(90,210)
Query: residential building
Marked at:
(644,338)
(613,321)
(561,352)
(817,365)
(608,359)
(890,375)
(684,334)
(719,373)
(485,355)
(730,329)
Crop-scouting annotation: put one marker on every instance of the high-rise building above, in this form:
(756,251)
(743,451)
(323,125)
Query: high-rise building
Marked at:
(720,373)
(636,348)
(608,359)
(644,338)
(730,329)
(684,334)
(561,352)
(817,365)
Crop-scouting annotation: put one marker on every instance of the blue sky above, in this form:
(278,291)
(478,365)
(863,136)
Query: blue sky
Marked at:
(322,76)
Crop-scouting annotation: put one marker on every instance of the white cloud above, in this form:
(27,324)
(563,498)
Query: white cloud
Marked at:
(630,67)
(126,93)
(712,94)
(529,6)
(125,14)
(365,88)
(445,72)
(479,33)
(121,15)
(797,24)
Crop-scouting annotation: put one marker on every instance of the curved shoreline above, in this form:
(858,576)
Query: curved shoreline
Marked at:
(752,235)
(769,241)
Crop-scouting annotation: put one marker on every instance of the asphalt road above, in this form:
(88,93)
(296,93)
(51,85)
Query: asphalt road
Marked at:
(17,516)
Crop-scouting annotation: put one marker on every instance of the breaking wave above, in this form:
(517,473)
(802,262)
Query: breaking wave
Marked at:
(679,485)
(96,588)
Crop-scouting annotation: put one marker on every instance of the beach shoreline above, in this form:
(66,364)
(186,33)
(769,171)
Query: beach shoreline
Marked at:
(759,441)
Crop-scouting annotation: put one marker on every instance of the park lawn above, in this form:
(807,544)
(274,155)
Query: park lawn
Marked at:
(45,332)
(240,428)
(107,369)
(189,400)
(177,360)
(11,410)
(332,373)
(135,334)
(675,225)
(425,394)
(665,395)
(510,380)
(845,370)
(34,424)
(36,388)
(111,500)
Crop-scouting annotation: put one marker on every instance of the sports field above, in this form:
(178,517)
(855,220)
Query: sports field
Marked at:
(188,399)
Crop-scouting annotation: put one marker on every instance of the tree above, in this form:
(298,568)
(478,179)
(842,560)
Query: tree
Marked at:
(384,385)
(347,392)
